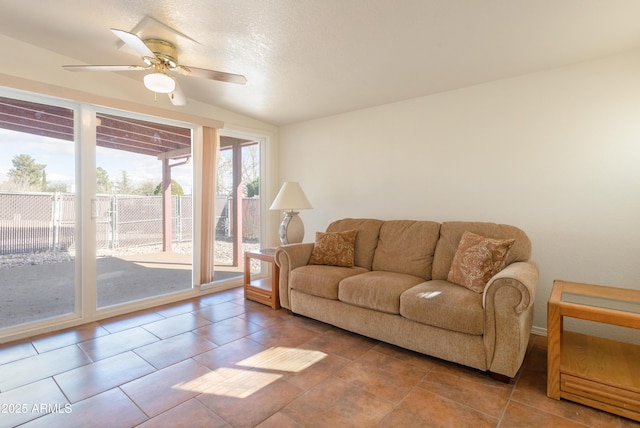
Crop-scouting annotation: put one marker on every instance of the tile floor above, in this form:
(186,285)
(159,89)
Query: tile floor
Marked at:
(221,361)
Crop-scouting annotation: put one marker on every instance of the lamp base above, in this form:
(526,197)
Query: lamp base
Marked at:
(291,229)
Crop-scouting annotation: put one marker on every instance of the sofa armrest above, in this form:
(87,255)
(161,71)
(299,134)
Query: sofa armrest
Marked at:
(508,305)
(522,275)
(287,258)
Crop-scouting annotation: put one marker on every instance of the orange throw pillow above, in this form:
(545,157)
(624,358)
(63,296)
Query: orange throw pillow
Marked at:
(334,248)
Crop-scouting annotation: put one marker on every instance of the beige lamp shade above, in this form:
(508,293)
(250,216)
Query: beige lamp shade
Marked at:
(291,198)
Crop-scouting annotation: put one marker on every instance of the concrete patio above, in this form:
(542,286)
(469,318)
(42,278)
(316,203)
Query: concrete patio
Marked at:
(34,292)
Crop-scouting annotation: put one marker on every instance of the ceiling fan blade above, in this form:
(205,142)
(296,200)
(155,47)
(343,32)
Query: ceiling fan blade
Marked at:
(177,96)
(134,42)
(104,67)
(211,74)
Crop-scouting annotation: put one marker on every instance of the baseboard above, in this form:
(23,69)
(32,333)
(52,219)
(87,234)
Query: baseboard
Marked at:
(539,331)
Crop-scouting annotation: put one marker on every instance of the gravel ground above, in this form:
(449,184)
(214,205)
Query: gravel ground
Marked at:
(223,254)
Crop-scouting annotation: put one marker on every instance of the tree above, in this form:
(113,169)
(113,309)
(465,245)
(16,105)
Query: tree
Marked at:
(147,188)
(224,173)
(253,188)
(176,189)
(123,186)
(27,173)
(103,183)
(250,163)
(250,172)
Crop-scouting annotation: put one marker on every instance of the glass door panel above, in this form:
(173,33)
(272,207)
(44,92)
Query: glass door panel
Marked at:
(144,209)
(37,212)
(237,219)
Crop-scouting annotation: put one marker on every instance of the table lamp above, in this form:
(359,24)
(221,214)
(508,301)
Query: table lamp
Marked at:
(291,198)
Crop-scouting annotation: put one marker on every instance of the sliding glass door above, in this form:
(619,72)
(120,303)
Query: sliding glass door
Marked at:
(144,209)
(38,238)
(135,174)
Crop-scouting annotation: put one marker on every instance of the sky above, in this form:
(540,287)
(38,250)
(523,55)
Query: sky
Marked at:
(58,155)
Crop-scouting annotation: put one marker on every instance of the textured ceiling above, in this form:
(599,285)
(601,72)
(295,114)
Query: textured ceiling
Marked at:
(305,59)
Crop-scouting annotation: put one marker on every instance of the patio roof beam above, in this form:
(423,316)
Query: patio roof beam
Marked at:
(37,119)
(121,133)
(175,154)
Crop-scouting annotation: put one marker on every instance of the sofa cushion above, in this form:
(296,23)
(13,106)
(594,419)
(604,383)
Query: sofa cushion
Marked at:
(451,233)
(376,290)
(321,281)
(477,260)
(334,248)
(366,240)
(443,304)
(406,246)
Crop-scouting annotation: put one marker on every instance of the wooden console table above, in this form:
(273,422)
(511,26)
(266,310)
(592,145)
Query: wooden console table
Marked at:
(597,372)
(263,290)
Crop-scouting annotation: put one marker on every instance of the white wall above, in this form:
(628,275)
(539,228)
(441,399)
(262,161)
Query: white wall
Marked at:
(556,153)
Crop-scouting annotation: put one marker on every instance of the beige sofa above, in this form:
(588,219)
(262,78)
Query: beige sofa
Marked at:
(397,291)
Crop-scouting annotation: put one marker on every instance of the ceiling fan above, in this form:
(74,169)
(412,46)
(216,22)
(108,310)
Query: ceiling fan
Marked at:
(162,57)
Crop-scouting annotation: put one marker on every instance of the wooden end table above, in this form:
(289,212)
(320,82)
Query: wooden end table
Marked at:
(262,290)
(597,372)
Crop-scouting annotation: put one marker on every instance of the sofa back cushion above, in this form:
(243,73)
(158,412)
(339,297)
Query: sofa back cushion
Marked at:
(366,239)
(407,246)
(451,233)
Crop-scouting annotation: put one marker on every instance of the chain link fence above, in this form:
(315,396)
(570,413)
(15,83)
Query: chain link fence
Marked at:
(35,222)
(129,221)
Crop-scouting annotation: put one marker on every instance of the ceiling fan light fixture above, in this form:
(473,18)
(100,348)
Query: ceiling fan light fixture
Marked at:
(159,82)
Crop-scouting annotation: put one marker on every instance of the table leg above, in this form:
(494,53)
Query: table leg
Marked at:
(247,273)
(554,338)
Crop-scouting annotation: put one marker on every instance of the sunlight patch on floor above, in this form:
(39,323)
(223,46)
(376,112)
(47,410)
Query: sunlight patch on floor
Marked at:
(201,383)
(243,383)
(259,371)
(283,359)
